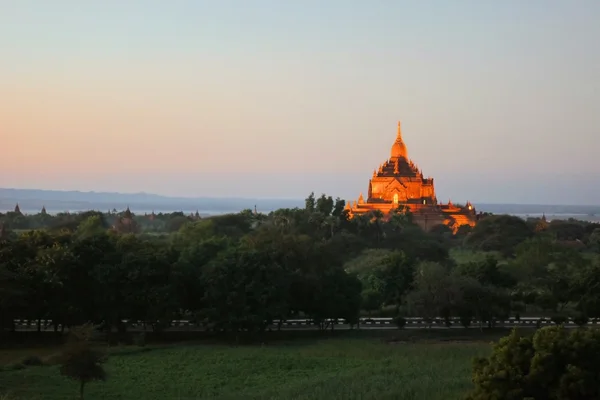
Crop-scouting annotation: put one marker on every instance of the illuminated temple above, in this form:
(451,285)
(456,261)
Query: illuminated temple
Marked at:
(399,182)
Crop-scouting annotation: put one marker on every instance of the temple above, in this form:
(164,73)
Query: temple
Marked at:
(399,182)
(125,223)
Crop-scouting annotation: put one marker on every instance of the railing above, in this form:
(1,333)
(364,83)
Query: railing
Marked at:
(47,325)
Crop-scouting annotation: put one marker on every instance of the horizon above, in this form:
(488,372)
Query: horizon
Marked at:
(163,197)
(275,100)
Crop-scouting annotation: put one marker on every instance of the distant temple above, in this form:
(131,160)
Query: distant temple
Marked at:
(399,182)
(125,223)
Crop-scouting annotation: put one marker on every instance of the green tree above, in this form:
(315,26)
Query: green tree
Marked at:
(594,240)
(325,205)
(310,202)
(554,364)
(80,361)
(436,292)
(89,227)
(245,289)
(499,233)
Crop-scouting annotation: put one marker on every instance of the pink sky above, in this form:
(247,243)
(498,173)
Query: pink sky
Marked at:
(504,110)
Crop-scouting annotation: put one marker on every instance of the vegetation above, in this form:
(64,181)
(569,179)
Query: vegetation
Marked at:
(238,275)
(80,361)
(553,364)
(326,369)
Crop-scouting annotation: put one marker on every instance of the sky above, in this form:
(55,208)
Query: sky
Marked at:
(499,101)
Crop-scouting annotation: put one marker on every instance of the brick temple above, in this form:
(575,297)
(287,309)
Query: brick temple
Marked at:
(399,182)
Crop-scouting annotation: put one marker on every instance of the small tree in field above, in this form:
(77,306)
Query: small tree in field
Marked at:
(79,361)
(554,364)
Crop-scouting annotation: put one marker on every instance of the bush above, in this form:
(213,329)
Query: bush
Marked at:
(32,361)
(14,367)
(400,322)
(539,322)
(555,363)
(580,320)
(53,359)
(465,320)
(559,319)
(140,339)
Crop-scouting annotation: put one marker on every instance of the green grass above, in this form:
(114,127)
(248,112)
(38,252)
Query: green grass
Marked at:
(327,369)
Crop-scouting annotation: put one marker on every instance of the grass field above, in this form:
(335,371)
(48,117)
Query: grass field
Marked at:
(340,368)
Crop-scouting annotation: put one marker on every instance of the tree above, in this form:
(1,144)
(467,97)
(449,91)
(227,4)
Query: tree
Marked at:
(435,293)
(499,233)
(338,207)
(554,364)
(310,202)
(594,240)
(587,285)
(79,361)
(11,297)
(89,227)
(325,205)
(386,276)
(245,289)
(547,271)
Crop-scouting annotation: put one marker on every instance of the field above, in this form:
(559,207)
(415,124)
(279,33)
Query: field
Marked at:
(337,368)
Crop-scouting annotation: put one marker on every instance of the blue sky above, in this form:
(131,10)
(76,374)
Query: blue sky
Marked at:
(498,100)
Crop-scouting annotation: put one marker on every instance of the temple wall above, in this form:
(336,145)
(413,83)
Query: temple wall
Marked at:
(406,188)
(424,216)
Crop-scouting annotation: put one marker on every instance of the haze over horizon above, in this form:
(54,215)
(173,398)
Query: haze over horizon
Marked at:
(498,101)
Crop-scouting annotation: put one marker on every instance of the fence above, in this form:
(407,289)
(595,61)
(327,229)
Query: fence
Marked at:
(47,325)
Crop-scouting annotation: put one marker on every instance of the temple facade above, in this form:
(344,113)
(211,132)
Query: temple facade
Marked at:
(399,182)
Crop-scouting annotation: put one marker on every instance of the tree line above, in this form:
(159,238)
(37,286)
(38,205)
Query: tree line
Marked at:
(240,272)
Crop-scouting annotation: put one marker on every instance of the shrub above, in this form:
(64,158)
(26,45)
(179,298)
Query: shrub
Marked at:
(580,319)
(32,361)
(53,359)
(539,322)
(14,367)
(555,363)
(140,339)
(559,319)
(465,320)
(79,361)
(400,322)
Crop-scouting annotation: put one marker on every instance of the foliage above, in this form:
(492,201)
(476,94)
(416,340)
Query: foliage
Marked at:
(324,369)
(400,322)
(79,361)
(499,233)
(555,363)
(239,272)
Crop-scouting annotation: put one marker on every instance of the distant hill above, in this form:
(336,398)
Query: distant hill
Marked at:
(32,200)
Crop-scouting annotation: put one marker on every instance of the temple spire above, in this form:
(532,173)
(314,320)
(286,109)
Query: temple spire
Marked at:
(399,148)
